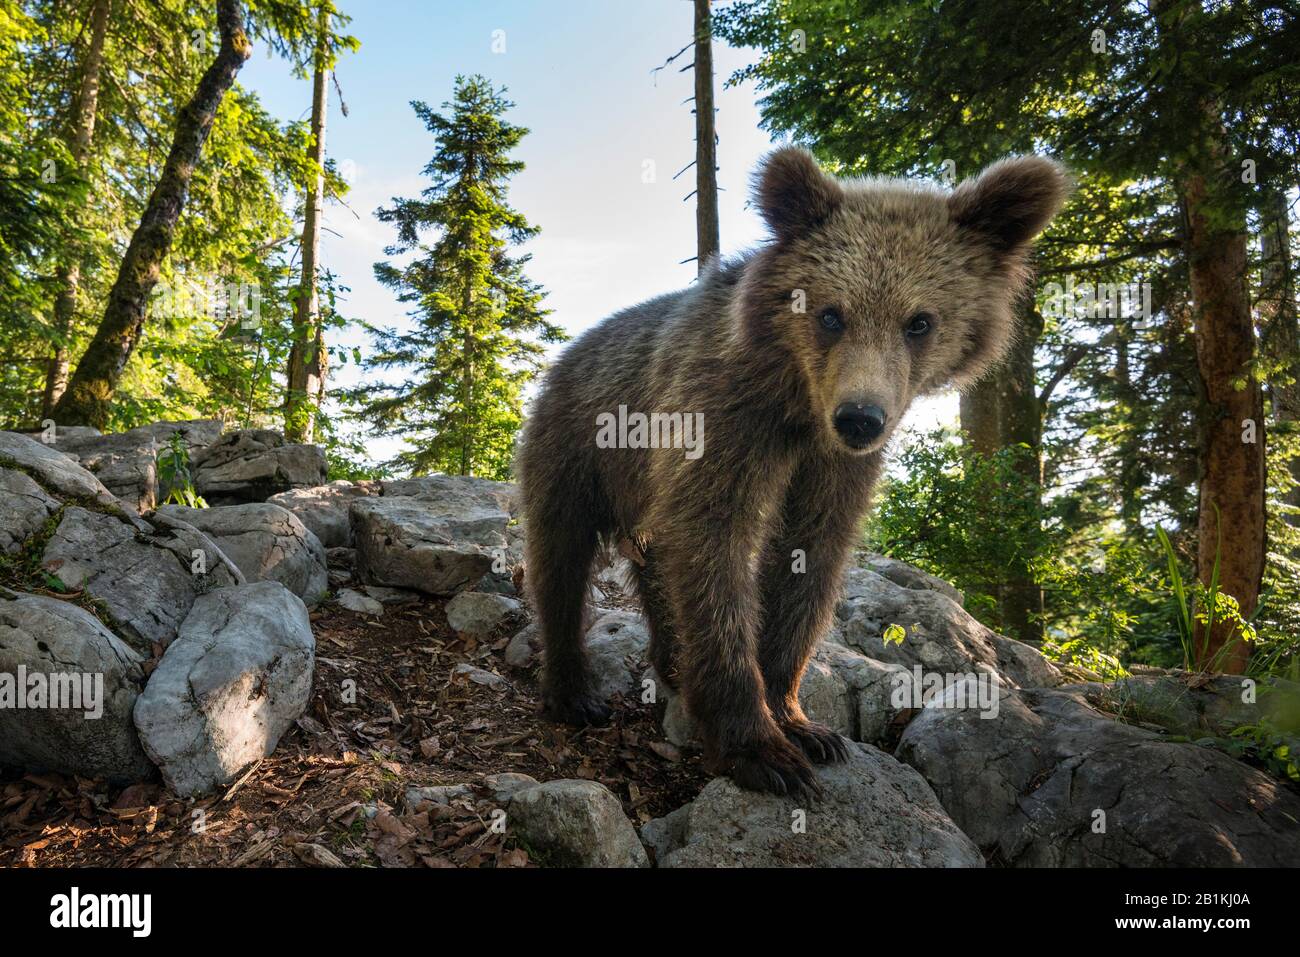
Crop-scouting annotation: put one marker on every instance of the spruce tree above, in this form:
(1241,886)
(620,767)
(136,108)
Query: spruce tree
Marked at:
(479,322)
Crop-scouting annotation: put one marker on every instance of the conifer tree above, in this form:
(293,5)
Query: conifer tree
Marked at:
(478,324)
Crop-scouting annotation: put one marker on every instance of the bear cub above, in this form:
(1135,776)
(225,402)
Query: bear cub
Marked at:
(795,362)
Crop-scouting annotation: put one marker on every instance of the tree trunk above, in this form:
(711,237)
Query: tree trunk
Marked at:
(69,275)
(306,373)
(1231,523)
(1021,422)
(1130,471)
(981,413)
(1280,339)
(89,393)
(707,242)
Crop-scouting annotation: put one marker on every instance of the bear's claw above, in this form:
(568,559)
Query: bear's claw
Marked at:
(818,742)
(776,769)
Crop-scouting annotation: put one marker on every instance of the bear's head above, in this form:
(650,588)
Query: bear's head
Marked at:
(880,290)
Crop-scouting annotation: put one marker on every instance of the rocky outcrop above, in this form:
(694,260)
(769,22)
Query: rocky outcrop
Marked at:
(54,471)
(266,543)
(127,462)
(1049,781)
(324,509)
(24,509)
(251,465)
(875,812)
(236,678)
(941,636)
(68,687)
(146,574)
(438,535)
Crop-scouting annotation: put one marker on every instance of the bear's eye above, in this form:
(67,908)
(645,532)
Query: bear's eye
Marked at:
(920,325)
(830,319)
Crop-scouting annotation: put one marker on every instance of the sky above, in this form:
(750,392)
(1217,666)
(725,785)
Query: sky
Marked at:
(602,124)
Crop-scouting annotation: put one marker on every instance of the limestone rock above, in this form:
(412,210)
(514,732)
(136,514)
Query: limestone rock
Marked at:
(876,812)
(266,542)
(480,613)
(68,649)
(235,679)
(1052,782)
(24,509)
(570,823)
(324,508)
(147,575)
(251,465)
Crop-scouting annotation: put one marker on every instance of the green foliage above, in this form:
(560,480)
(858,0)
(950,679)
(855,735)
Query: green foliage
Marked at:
(479,323)
(893,634)
(961,516)
(174,474)
(1080,654)
(1204,605)
(1276,750)
(236,232)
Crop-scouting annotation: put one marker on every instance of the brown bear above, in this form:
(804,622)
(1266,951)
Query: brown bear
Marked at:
(770,388)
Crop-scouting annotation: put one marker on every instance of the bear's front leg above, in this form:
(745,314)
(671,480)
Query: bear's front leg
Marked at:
(708,548)
(803,568)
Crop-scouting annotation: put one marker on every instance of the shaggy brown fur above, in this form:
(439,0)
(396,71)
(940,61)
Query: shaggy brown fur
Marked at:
(905,289)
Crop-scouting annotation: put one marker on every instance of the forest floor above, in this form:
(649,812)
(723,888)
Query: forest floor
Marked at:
(338,779)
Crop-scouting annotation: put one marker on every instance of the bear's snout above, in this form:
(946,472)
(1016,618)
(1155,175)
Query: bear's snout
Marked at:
(859,424)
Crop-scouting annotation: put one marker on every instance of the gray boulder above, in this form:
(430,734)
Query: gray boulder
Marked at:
(507,784)
(441,536)
(909,576)
(361,604)
(24,509)
(616,649)
(941,635)
(324,509)
(90,679)
(876,812)
(1052,782)
(455,493)
(235,679)
(147,574)
(1195,705)
(266,543)
(251,465)
(480,613)
(571,823)
(55,472)
(523,647)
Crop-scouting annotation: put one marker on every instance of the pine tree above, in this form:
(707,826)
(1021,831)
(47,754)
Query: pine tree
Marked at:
(479,323)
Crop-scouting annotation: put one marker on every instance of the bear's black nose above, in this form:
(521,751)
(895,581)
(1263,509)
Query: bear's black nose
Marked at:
(860,425)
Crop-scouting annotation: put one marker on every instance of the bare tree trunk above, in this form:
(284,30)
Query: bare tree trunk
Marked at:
(306,373)
(707,243)
(89,393)
(1231,524)
(1280,339)
(69,275)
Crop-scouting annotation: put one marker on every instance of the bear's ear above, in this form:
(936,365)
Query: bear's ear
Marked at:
(793,194)
(1011,201)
